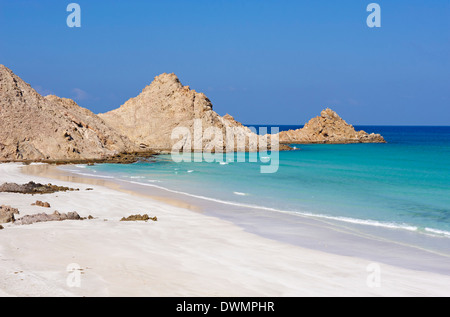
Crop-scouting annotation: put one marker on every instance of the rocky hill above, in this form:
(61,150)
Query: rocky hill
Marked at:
(164,115)
(151,118)
(35,128)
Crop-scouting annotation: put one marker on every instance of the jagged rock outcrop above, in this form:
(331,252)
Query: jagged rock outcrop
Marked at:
(33,188)
(50,128)
(151,118)
(328,128)
(165,116)
(43,217)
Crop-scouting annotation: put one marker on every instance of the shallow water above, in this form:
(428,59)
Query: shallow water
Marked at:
(391,194)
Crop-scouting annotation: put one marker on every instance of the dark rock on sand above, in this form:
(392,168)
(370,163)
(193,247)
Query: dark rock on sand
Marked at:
(7,214)
(139,218)
(43,217)
(73,216)
(33,188)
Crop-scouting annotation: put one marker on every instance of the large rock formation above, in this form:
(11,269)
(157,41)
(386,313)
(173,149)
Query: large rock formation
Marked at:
(36,128)
(151,118)
(328,128)
(166,115)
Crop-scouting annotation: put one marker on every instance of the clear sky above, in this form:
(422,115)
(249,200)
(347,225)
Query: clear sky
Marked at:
(264,62)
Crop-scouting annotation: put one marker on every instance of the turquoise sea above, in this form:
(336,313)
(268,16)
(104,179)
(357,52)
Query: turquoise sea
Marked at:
(402,187)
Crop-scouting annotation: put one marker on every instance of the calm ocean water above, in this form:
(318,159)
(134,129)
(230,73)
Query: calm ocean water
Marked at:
(404,184)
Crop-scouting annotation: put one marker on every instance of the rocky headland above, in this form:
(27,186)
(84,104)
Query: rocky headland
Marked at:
(57,130)
(150,119)
(38,128)
(328,128)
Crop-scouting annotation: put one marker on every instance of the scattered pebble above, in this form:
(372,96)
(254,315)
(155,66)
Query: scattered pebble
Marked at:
(41,204)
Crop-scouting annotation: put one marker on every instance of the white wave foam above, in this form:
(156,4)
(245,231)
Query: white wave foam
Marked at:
(369,222)
(240,194)
(139,183)
(366,222)
(438,232)
(373,223)
(96,175)
(70,170)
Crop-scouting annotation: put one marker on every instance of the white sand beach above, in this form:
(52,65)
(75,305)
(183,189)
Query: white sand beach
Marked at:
(184,253)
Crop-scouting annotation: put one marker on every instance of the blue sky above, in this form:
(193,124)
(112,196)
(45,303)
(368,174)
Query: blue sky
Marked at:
(264,62)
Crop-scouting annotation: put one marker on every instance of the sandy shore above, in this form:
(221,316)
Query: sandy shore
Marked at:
(184,253)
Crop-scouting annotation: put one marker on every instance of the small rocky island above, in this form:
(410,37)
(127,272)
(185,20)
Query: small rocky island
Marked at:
(328,128)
